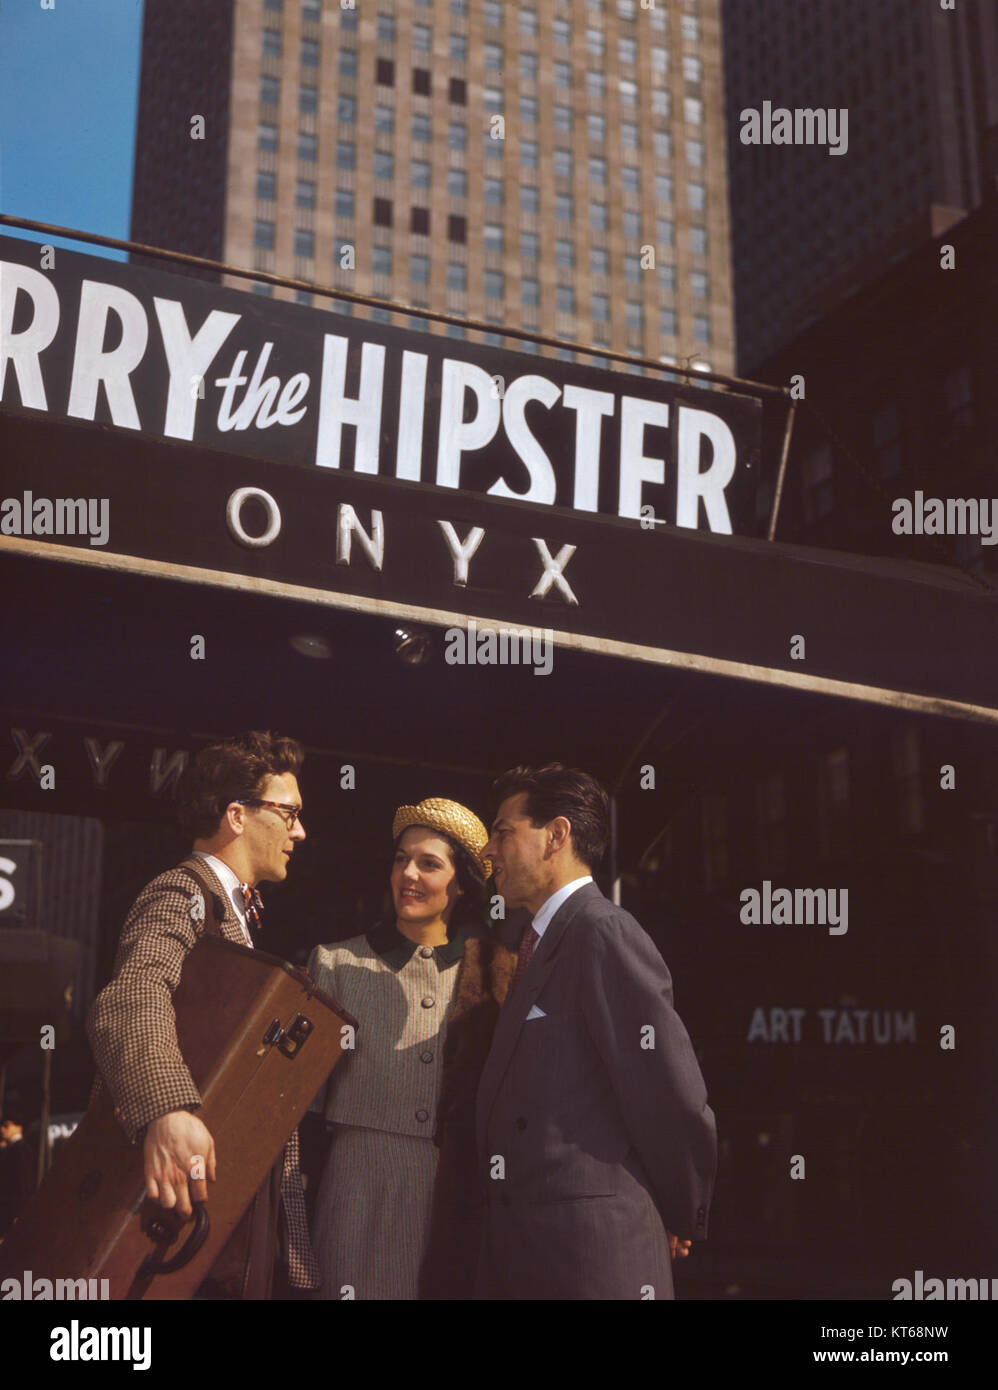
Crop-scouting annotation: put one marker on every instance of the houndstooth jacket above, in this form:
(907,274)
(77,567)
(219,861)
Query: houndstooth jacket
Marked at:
(132,1030)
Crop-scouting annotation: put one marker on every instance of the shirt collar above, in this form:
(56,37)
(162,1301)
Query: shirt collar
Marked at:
(547,911)
(230,881)
(397,950)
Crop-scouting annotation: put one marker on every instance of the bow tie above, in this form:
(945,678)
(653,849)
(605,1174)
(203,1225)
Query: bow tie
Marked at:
(254,906)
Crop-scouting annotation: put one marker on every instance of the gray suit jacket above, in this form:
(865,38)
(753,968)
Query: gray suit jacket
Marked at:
(593,1127)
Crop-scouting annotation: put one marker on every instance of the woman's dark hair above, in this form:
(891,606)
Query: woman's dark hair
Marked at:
(228,771)
(470,877)
(554,790)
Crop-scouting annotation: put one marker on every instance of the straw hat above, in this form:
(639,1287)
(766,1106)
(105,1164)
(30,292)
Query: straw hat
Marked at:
(451,818)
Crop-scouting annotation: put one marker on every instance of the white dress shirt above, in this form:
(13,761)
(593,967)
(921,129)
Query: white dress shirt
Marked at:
(232,885)
(555,901)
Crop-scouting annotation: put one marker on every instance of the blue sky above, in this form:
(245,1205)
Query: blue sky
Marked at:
(68,93)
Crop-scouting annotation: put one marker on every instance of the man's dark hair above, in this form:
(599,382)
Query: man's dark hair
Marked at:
(228,771)
(554,790)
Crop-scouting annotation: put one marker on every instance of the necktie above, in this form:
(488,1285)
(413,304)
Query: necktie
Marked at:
(254,907)
(528,941)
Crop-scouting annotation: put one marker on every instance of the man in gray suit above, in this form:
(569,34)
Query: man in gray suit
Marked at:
(594,1132)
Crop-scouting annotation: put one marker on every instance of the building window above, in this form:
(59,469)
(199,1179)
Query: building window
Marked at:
(304,243)
(696,193)
(492,236)
(626,8)
(596,126)
(693,110)
(634,315)
(691,28)
(694,153)
(457,183)
(628,92)
(458,48)
(308,101)
(346,110)
(493,56)
(597,217)
(663,188)
(528,23)
(563,118)
(493,14)
(630,179)
(420,127)
(458,92)
(384,165)
(528,67)
(384,72)
(457,135)
(382,212)
(530,290)
(263,236)
(386,28)
(665,231)
(344,202)
(564,299)
(906,760)
(698,241)
(599,260)
(304,194)
(494,149)
(457,229)
(419,221)
(495,285)
(308,146)
(457,275)
(667,325)
(266,186)
(421,82)
(420,173)
(459,7)
(348,20)
(632,268)
(563,163)
(701,328)
(564,253)
(661,104)
(564,209)
(594,42)
(627,49)
(692,70)
(348,62)
(381,260)
(597,169)
(563,74)
(595,85)
(422,38)
(346,154)
(530,198)
(311,11)
(628,135)
(266,290)
(699,284)
(601,308)
(819,497)
(659,59)
(270,91)
(303,297)
(384,119)
(528,110)
(493,190)
(561,31)
(632,225)
(492,99)
(529,246)
(419,268)
(662,144)
(266,139)
(528,154)
(271,43)
(309,57)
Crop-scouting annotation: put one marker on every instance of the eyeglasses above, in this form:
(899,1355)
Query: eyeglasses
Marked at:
(290,813)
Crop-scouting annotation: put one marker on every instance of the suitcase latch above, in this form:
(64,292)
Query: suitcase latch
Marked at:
(295,1035)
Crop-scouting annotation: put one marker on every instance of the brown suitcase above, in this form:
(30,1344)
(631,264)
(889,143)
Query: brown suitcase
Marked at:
(259,1040)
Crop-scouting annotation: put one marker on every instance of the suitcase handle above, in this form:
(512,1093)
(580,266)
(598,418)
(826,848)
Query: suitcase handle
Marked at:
(159,1228)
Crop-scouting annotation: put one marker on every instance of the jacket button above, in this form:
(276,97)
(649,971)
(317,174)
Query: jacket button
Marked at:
(426,952)
(422,1116)
(521,1123)
(426,1056)
(428,1001)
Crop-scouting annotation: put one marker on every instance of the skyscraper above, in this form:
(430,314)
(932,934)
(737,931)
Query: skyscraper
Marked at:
(919,84)
(548,165)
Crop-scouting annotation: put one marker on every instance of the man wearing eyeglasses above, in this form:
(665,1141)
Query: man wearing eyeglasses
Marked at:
(239,802)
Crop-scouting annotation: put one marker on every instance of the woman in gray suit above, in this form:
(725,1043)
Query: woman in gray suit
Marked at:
(402,981)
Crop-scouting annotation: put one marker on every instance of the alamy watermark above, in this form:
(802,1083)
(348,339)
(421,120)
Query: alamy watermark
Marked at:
(780,125)
(29,1288)
(946,516)
(29,515)
(502,646)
